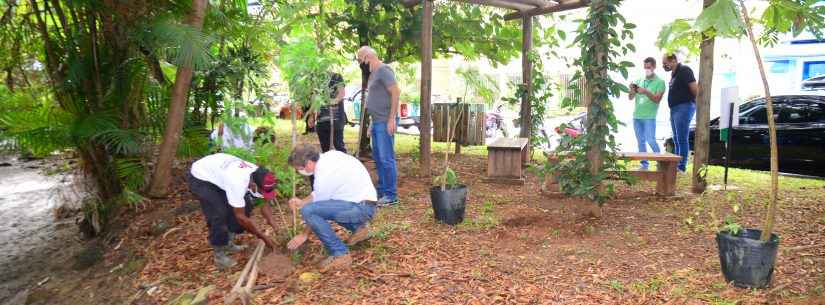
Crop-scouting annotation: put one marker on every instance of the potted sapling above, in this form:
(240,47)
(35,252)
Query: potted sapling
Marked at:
(747,256)
(448,195)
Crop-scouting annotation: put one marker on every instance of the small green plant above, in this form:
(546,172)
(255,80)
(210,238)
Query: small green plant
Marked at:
(731,226)
(616,285)
(448,179)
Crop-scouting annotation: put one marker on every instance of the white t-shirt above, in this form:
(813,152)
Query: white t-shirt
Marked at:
(233,139)
(228,172)
(339,176)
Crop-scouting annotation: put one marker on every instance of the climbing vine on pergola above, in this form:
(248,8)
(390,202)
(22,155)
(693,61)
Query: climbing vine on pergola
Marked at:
(582,174)
(524,10)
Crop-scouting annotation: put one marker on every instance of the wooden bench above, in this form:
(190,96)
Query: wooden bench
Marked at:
(505,160)
(665,174)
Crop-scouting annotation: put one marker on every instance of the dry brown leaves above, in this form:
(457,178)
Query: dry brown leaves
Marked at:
(535,250)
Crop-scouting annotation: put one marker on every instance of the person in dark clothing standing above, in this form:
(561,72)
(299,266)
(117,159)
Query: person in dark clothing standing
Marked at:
(681,98)
(332,118)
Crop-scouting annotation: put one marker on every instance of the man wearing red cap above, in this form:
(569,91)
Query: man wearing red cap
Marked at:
(225,186)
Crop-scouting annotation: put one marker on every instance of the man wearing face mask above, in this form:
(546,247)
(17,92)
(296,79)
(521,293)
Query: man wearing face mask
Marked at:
(225,186)
(343,193)
(647,93)
(382,106)
(681,98)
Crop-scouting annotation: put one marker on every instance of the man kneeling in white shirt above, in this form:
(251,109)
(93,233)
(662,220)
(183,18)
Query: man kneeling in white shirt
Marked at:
(343,193)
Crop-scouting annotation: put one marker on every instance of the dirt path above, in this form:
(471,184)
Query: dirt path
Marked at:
(32,242)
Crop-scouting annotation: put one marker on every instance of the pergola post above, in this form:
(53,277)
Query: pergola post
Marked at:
(426,87)
(527,79)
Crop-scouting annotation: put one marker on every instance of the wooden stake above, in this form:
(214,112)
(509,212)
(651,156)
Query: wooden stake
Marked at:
(771,215)
(239,291)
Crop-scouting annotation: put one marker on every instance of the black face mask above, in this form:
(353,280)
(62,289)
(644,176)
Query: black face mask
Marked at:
(667,67)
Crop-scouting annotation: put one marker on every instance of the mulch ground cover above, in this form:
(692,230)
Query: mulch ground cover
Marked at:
(515,246)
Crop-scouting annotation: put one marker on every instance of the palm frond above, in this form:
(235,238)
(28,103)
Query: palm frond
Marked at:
(131,172)
(121,141)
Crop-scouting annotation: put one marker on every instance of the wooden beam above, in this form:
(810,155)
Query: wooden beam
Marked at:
(564,5)
(537,3)
(426,89)
(526,76)
(410,3)
(502,4)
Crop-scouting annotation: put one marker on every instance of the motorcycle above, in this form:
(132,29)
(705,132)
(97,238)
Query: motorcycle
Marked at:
(494,121)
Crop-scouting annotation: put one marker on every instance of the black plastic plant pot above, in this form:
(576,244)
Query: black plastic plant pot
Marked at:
(448,204)
(746,261)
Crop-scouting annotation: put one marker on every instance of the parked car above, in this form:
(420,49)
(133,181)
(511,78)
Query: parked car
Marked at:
(814,83)
(800,132)
(408,117)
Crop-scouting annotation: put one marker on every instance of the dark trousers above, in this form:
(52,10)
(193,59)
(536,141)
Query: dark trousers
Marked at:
(323,131)
(220,217)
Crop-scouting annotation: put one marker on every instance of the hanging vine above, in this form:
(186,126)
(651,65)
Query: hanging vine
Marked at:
(583,161)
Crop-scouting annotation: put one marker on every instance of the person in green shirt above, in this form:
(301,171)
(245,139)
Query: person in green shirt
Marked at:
(647,93)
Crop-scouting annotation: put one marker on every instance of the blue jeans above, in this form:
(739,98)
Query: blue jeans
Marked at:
(646,135)
(383,152)
(349,215)
(680,117)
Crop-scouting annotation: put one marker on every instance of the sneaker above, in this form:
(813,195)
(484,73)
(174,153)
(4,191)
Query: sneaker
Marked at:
(232,247)
(386,201)
(336,262)
(362,234)
(222,259)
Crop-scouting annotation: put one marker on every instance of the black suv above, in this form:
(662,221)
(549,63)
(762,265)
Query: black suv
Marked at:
(800,133)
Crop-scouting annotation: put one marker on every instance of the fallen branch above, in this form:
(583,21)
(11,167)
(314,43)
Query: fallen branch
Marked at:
(806,247)
(239,290)
(268,286)
(778,288)
(170,231)
(378,277)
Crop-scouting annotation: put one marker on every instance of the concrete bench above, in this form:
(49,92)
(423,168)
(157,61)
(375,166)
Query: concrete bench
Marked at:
(665,174)
(505,160)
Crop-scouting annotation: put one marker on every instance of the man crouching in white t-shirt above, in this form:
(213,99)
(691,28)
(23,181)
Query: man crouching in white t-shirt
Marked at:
(225,185)
(342,192)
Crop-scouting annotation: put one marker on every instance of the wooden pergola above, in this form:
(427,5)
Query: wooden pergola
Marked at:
(522,9)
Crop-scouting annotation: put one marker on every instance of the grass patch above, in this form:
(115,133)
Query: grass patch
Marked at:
(616,285)
(650,286)
(485,220)
(384,230)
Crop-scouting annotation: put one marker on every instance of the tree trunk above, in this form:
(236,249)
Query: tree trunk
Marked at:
(527,80)
(9,79)
(426,89)
(174,120)
(767,227)
(701,143)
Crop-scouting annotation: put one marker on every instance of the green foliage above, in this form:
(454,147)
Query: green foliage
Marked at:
(600,38)
(731,226)
(307,71)
(540,95)
(678,35)
(478,85)
(720,19)
(794,16)
(470,30)
(449,179)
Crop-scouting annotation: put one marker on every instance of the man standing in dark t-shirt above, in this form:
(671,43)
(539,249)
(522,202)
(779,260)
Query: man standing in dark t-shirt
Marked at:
(326,123)
(681,98)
